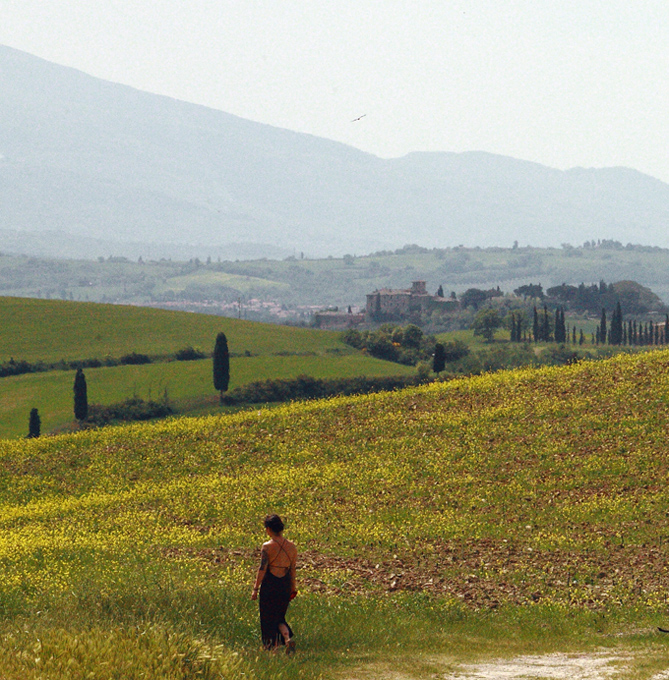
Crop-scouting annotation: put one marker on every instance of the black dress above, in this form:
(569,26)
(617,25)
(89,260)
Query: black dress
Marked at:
(273,600)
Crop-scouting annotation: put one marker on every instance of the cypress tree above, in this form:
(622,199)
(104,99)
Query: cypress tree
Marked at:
(581,338)
(34,424)
(617,325)
(221,364)
(602,327)
(545,326)
(573,335)
(535,326)
(564,335)
(666,329)
(558,328)
(563,326)
(80,396)
(439,358)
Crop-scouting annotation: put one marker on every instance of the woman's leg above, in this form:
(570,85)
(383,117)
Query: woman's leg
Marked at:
(290,644)
(283,629)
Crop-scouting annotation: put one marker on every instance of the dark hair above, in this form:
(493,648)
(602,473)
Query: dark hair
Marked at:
(274,523)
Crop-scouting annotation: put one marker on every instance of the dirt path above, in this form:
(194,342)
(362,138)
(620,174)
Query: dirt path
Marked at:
(553,666)
(594,666)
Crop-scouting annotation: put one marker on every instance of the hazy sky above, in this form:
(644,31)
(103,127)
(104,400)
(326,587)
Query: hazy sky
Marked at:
(560,82)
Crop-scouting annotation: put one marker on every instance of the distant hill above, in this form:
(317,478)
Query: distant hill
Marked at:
(292,289)
(90,168)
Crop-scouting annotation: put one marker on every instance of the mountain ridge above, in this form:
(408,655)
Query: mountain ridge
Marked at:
(96,160)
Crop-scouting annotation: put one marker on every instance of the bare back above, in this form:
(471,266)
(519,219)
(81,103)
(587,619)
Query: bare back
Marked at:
(282,556)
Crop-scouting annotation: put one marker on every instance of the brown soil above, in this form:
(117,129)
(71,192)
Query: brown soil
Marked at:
(480,573)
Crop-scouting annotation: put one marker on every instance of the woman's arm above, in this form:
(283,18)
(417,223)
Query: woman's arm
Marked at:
(264,562)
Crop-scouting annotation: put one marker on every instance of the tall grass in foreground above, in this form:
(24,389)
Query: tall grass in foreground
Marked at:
(201,633)
(529,505)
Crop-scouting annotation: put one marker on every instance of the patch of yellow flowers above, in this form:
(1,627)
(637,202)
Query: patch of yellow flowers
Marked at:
(580,454)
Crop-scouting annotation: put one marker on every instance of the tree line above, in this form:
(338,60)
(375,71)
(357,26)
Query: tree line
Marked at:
(551,327)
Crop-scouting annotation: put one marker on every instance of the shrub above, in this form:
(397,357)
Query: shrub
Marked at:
(306,387)
(404,345)
(128,410)
(135,358)
(19,368)
(454,350)
(189,354)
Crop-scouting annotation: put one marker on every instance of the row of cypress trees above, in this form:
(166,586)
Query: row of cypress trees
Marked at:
(542,328)
(631,333)
(547,328)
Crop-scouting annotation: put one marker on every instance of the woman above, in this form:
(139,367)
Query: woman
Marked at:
(276,583)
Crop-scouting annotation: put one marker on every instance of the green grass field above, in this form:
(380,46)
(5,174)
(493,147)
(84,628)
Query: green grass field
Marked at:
(51,330)
(486,517)
(48,330)
(244,284)
(188,385)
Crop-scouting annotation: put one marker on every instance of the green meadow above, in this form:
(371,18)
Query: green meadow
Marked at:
(187,385)
(50,331)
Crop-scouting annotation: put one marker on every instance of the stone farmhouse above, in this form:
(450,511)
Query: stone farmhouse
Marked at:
(403,305)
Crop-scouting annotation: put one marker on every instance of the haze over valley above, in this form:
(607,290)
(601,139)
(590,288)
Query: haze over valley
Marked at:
(89,168)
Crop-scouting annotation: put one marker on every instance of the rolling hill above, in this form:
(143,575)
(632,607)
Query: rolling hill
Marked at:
(62,333)
(442,516)
(54,330)
(293,289)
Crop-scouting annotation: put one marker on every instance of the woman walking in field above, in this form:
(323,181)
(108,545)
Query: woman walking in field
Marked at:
(276,584)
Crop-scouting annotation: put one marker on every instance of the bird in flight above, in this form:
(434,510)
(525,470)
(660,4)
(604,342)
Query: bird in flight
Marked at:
(358,118)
